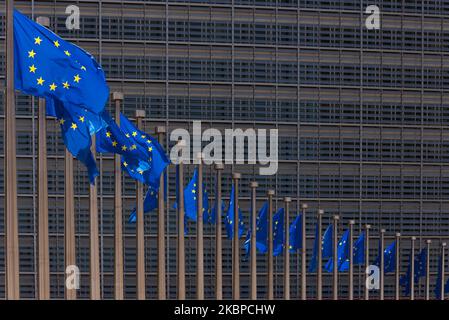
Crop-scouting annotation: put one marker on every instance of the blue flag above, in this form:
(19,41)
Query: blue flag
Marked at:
(229,219)
(326,247)
(77,125)
(389,258)
(134,158)
(149,203)
(155,152)
(358,253)
(190,198)
(420,263)
(49,67)
(342,253)
(278,232)
(438,283)
(261,232)
(296,234)
(211,215)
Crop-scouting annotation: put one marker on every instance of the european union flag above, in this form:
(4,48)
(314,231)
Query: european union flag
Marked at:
(149,203)
(420,263)
(342,253)
(261,231)
(389,258)
(358,253)
(278,232)
(155,152)
(211,215)
(229,220)
(438,283)
(134,158)
(296,234)
(326,246)
(77,125)
(47,66)
(190,198)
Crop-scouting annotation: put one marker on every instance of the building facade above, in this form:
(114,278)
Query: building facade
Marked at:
(362,117)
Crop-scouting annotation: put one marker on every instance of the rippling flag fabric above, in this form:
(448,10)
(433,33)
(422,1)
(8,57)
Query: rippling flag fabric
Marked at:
(342,253)
(278,232)
(296,234)
(150,203)
(389,258)
(326,247)
(229,218)
(358,253)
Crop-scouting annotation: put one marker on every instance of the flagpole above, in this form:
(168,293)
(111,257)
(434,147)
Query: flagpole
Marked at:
(140,228)
(118,210)
(335,258)
(412,270)
(367,263)
(218,237)
(382,264)
(287,201)
(236,245)
(443,247)
(181,240)
(11,217)
(69,221)
(320,256)
(161,292)
(428,243)
(351,259)
(94,265)
(303,255)
(199,233)
(253,186)
(270,245)
(397,288)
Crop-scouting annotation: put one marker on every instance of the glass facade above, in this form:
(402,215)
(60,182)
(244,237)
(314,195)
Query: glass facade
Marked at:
(362,118)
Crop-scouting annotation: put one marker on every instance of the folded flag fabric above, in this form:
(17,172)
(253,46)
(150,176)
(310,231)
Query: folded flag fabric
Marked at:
(229,219)
(150,203)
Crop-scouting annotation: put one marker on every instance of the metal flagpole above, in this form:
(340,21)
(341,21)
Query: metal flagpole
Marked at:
(118,207)
(199,233)
(43,251)
(253,186)
(11,217)
(443,263)
(303,255)
(351,259)
(412,270)
(367,263)
(320,256)
(236,244)
(140,228)
(95,293)
(69,220)
(270,245)
(428,243)
(218,238)
(335,257)
(161,292)
(398,249)
(181,240)
(287,201)
(382,264)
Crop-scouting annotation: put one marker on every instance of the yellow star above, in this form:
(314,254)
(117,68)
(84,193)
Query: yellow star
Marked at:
(40,81)
(140,171)
(127,135)
(114,143)
(193,191)
(31,54)
(83,68)
(61,121)
(148,141)
(133,147)
(37,40)
(66,85)
(77,78)
(33,69)
(56,43)
(150,149)
(143,136)
(124,148)
(134,134)
(53,87)
(81,118)
(67,53)
(108,134)
(125,164)
(74,126)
